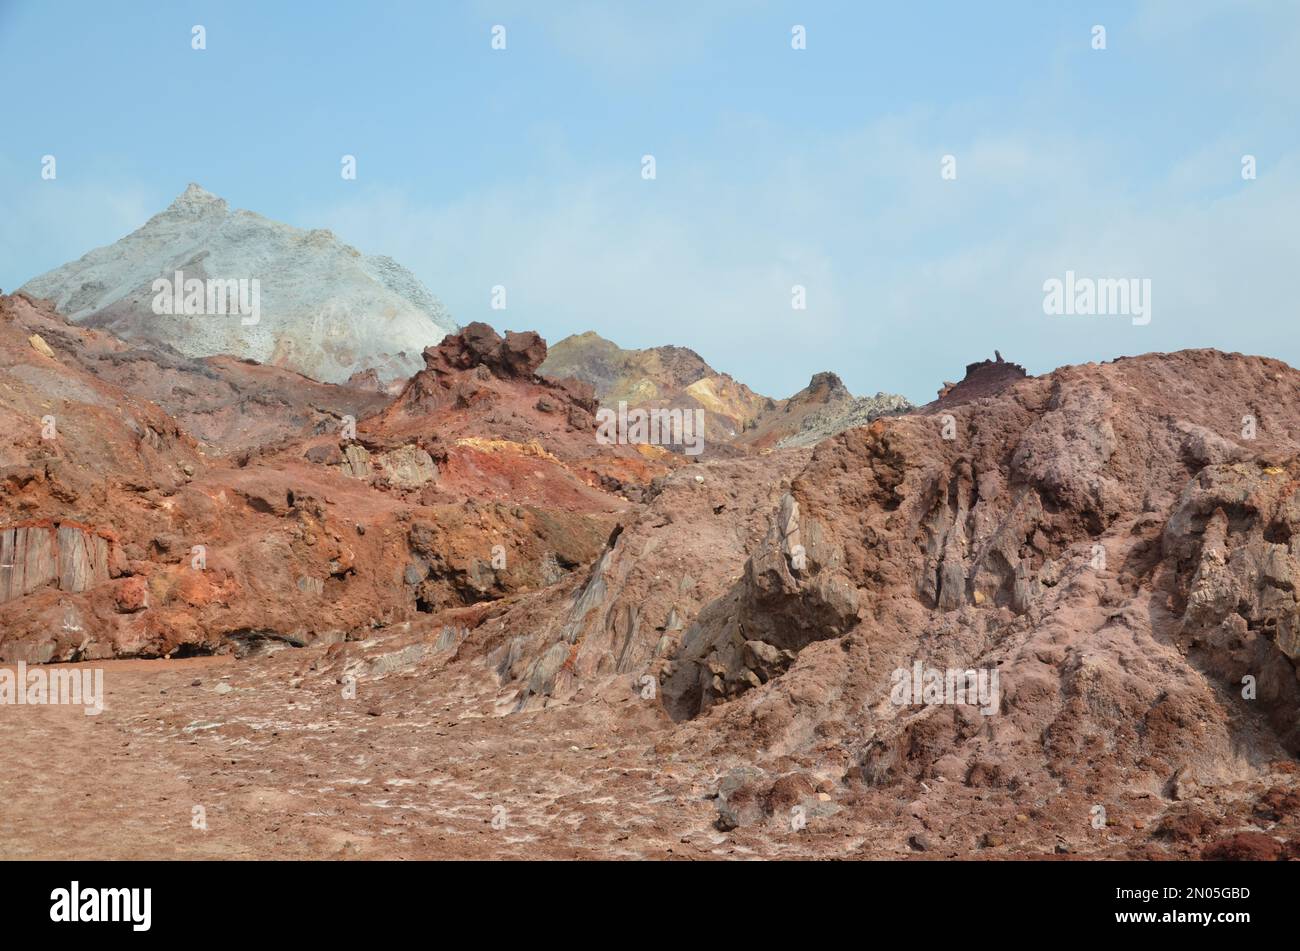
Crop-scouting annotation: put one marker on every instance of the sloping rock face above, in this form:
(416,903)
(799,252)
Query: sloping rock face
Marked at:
(735,416)
(230,406)
(821,410)
(659,377)
(325,309)
(626,618)
(1114,542)
(123,535)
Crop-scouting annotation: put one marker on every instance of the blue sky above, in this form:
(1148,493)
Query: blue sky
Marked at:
(775,167)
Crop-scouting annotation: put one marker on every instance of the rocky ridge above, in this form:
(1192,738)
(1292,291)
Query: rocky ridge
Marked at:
(660,657)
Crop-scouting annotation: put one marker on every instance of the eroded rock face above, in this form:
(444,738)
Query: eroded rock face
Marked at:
(716,645)
(1235,551)
(624,617)
(121,535)
(790,595)
(70,557)
(529,548)
(1101,539)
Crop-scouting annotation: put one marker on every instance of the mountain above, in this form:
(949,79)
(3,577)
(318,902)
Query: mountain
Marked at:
(323,309)
(735,414)
(657,377)
(820,410)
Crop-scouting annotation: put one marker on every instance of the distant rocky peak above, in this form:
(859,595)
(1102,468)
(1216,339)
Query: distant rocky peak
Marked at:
(196,200)
(983,378)
(825,387)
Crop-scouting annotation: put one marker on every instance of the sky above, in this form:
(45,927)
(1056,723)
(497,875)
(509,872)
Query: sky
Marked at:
(820,167)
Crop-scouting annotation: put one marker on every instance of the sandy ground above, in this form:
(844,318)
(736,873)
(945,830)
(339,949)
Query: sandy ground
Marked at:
(288,770)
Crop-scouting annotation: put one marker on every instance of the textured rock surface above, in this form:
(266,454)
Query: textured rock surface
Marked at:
(735,416)
(327,310)
(304,535)
(825,407)
(658,377)
(28,559)
(619,654)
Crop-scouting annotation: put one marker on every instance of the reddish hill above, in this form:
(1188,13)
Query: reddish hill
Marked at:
(635,656)
(124,535)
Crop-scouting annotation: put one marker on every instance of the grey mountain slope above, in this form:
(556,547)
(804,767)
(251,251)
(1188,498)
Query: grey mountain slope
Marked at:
(327,310)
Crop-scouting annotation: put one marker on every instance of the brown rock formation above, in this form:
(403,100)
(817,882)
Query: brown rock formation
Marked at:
(667,656)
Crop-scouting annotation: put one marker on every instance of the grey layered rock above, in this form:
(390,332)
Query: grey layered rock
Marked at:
(28,560)
(843,414)
(356,462)
(408,467)
(83,559)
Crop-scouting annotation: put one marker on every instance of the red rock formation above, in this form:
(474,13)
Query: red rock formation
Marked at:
(986,378)
(304,536)
(705,647)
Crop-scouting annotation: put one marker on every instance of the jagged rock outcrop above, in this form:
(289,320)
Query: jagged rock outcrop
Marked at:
(846,413)
(300,539)
(985,378)
(517,355)
(820,410)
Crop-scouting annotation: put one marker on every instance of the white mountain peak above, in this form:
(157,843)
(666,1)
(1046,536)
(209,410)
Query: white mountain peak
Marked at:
(195,193)
(326,309)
